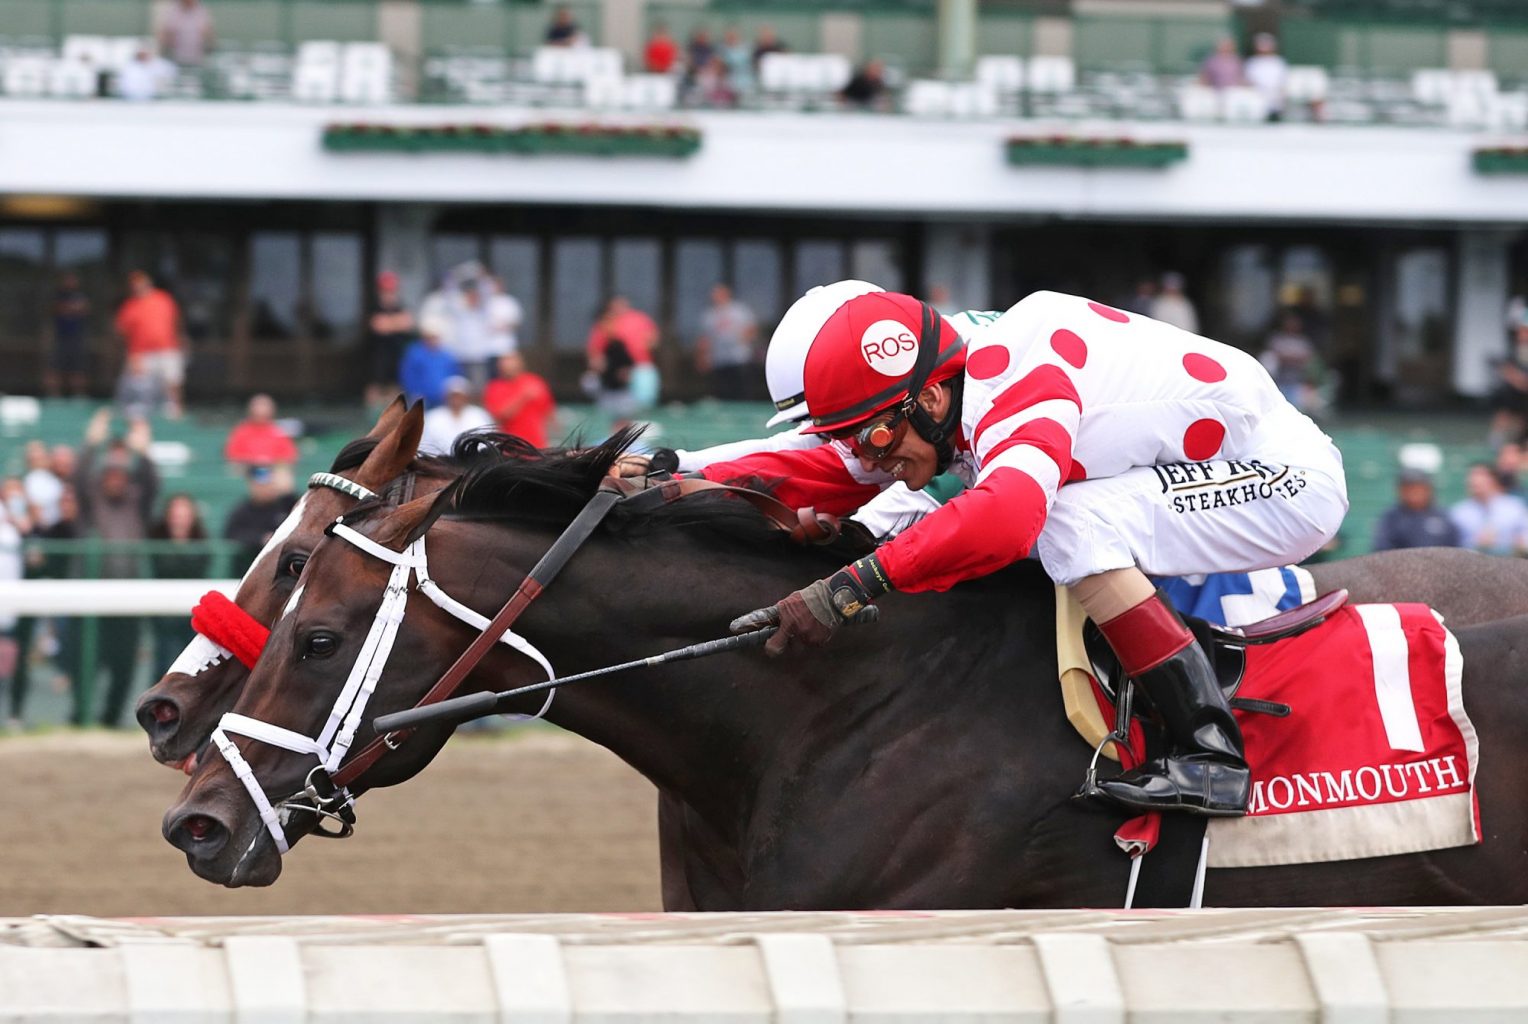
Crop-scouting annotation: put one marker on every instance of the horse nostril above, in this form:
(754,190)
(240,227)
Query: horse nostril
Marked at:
(164,712)
(200,835)
(200,826)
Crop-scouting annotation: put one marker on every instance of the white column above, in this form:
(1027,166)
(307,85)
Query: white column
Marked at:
(623,26)
(1480,307)
(400,26)
(958,256)
(957,37)
(403,246)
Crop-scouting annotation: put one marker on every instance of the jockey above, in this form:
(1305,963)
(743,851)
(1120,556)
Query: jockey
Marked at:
(1114,444)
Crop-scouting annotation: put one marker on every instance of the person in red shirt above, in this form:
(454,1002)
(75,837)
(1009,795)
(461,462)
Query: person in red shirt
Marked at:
(519,400)
(257,440)
(661,51)
(638,335)
(149,323)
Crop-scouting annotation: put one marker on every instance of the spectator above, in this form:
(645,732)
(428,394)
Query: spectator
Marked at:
(179,554)
(725,349)
(1415,520)
(1490,519)
(37,639)
(1171,306)
(266,505)
(144,77)
(13,503)
(628,368)
(711,87)
(737,55)
(140,394)
(867,89)
(1509,467)
(445,423)
(257,440)
(186,33)
(661,51)
(504,317)
(1291,360)
(149,323)
(64,462)
(1144,299)
(1223,68)
(765,43)
(519,401)
(699,51)
(116,483)
(69,362)
(470,339)
(564,29)
(1509,402)
(42,487)
(389,329)
(426,367)
(1266,71)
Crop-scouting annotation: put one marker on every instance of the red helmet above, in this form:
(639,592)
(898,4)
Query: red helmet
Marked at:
(863,359)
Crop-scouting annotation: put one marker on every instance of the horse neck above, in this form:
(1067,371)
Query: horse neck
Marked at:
(702,730)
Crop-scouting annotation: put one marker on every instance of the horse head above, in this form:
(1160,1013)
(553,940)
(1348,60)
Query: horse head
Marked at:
(365,635)
(181,709)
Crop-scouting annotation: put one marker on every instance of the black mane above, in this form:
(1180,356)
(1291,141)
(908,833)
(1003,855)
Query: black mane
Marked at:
(469,450)
(550,487)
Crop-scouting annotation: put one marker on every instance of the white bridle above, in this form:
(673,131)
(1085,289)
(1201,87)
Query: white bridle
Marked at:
(338,733)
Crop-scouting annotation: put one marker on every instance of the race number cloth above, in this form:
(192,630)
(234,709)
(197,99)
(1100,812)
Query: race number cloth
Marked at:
(1377,756)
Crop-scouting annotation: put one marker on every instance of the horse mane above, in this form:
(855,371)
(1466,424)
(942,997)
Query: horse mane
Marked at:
(549,488)
(469,450)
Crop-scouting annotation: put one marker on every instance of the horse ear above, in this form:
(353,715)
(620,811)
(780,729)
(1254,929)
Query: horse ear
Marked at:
(409,522)
(394,451)
(390,416)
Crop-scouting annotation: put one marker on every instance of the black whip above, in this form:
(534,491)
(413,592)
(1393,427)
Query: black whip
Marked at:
(479,705)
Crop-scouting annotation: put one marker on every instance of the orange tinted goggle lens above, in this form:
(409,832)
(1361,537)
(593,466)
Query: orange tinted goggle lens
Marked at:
(875,440)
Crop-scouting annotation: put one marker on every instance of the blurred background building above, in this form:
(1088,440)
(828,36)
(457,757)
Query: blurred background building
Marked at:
(1369,208)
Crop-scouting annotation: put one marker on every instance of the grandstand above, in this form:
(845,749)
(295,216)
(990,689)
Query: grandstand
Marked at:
(271,236)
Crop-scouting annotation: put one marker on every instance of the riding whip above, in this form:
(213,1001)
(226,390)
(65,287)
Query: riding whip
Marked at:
(479,705)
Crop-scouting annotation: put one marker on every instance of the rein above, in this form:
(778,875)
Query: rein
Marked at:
(326,791)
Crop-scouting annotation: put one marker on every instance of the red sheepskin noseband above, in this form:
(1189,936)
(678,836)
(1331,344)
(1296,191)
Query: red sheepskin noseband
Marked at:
(229,626)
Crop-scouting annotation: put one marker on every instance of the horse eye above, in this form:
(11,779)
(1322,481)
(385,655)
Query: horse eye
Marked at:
(321,645)
(293,565)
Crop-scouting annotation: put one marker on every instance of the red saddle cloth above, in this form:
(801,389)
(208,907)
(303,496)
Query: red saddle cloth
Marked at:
(1376,757)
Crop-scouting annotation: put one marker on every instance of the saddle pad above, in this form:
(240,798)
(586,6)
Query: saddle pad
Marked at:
(1377,756)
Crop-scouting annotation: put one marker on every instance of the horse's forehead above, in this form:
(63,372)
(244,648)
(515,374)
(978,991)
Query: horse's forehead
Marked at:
(278,538)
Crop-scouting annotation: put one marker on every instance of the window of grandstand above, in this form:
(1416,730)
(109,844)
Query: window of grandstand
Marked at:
(578,290)
(698,264)
(23,280)
(758,276)
(337,277)
(636,268)
(275,284)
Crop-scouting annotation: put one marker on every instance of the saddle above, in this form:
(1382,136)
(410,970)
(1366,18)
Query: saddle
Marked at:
(1086,660)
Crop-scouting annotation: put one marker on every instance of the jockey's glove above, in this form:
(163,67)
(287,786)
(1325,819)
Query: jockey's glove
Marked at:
(813,614)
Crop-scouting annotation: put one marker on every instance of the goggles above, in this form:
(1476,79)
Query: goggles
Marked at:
(875,439)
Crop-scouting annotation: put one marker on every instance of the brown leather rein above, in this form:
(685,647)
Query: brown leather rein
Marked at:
(803,525)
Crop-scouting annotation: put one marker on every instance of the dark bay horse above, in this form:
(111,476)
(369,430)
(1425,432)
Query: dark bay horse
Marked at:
(924,762)
(180,711)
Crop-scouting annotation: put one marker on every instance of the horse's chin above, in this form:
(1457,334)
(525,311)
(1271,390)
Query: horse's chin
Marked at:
(252,862)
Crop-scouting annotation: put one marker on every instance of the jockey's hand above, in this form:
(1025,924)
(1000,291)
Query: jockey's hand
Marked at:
(661,460)
(813,614)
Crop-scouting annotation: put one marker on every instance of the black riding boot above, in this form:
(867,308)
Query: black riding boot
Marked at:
(1205,768)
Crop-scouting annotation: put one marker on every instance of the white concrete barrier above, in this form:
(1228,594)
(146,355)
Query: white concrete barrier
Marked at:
(1077,967)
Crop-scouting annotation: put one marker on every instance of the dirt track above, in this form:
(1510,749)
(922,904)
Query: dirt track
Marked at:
(540,822)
